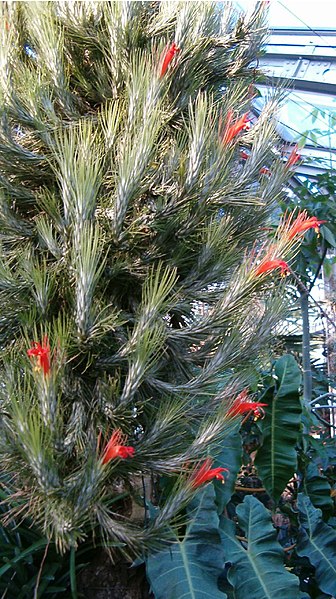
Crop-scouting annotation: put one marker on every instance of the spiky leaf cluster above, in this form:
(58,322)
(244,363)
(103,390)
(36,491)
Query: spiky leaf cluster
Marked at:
(128,238)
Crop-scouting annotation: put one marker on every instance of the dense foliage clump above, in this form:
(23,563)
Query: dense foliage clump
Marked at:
(138,283)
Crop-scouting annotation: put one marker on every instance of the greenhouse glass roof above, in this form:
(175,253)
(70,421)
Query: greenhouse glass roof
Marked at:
(301,52)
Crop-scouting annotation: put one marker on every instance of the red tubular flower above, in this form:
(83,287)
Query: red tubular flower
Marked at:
(205,473)
(265,171)
(232,129)
(243,405)
(42,353)
(269,265)
(294,157)
(244,154)
(116,448)
(168,57)
(302,223)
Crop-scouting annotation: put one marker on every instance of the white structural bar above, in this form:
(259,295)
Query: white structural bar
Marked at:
(305,57)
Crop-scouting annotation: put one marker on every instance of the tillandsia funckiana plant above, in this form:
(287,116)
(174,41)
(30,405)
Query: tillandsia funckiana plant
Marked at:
(135,265)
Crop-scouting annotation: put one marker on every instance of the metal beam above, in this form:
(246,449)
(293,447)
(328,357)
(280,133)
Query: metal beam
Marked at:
(305,58)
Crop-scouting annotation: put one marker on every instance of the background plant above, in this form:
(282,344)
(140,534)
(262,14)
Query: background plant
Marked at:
(31,566)
(136,302)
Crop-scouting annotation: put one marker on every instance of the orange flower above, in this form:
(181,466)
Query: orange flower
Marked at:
(269,265)
(244,154)
(265,171)
(232,129)
(242,405)
(294,157)
(42,353)
(302,223)
(168,56)
(205,473)
(116,448)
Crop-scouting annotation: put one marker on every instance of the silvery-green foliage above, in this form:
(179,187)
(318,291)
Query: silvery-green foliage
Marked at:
(128,238)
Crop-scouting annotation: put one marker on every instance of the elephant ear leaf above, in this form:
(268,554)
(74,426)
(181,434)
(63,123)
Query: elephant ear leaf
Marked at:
(190,566)
(318,489)
(276,460)
(229,454)
(317,542)
(257,571)
(288,374)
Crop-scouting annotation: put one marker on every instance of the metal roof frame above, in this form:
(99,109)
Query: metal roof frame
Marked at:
(305,60)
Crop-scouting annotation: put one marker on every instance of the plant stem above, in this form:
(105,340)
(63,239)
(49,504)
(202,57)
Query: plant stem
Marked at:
(320,264)
(307,373)
(73,581)
(40,571)
(303,289)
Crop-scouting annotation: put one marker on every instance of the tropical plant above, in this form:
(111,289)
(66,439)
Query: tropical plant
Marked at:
(316,257)
(138,284)
(30,565)
(264,526)
(293,469)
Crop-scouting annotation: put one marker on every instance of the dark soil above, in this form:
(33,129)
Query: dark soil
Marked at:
(106,580)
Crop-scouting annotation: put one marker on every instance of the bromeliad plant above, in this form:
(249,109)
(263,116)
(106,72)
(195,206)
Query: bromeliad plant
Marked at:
(130,278)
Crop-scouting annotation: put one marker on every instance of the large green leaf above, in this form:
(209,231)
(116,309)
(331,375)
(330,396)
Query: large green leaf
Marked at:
(317,487)
(230,457)
(190,567)
(328,235)
(288,374)
(317,542)
(277,458)
(258,571)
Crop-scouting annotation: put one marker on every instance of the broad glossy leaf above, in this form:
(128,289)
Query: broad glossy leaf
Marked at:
(289,375)
(257,572)
(328,235)
(332,522)
(276,460)
(317,487)
(190,567)
(317,542)
(230,457)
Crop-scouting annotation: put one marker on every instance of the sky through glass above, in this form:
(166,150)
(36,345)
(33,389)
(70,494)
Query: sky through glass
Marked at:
(305,116)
